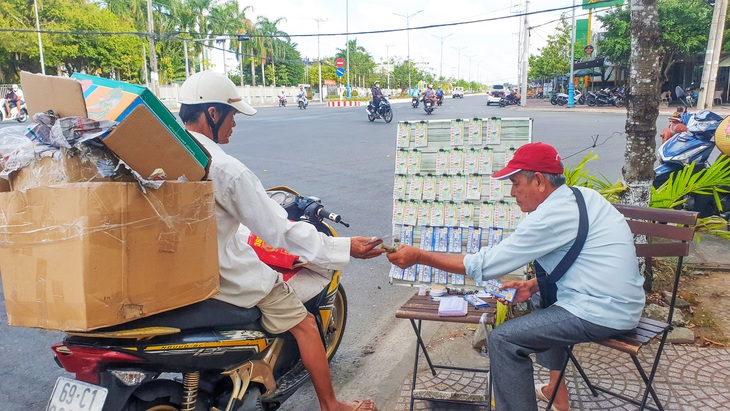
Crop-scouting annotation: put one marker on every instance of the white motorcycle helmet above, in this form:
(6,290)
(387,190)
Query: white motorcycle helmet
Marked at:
(210,87)
(207,87)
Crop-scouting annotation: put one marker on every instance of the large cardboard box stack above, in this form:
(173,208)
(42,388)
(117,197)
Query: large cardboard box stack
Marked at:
(77,256)
(88,255)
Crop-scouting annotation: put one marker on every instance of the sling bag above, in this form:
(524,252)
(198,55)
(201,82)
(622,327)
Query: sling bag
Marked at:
(546,283)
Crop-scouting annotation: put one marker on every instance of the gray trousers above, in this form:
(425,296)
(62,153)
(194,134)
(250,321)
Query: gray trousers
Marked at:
(545,332)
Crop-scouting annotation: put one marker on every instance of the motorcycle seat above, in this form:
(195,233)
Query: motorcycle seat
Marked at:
(210,313)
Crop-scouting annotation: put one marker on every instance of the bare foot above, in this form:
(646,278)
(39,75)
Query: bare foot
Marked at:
(365,405)
(558,404)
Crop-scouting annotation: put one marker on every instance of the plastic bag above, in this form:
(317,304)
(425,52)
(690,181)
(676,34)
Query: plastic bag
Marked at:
(16,150)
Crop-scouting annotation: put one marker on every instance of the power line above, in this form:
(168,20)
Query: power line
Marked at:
(177,35)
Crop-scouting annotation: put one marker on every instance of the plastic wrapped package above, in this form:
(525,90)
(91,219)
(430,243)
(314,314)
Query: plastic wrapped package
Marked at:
(16,151)
(87,255)
(83,163)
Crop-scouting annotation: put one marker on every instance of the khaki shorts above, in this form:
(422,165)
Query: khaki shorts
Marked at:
(281,310)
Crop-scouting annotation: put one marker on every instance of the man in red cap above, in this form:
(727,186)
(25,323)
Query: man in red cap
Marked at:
(599,295)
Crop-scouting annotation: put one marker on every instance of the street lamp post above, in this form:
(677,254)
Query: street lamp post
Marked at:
(408,36)
(441,63)
(319,59)
(571,97)
(40,42)
(469,70)
(458,62)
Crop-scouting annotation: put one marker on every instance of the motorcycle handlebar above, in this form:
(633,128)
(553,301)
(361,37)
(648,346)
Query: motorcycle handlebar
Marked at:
(323,213)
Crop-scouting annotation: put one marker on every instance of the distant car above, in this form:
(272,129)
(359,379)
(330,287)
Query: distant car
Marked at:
(458,92)
(495,94)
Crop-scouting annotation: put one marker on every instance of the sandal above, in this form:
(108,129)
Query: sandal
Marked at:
(541,396)
(365,406)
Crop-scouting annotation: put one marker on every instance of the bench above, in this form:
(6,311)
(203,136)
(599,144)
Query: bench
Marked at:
(668,233)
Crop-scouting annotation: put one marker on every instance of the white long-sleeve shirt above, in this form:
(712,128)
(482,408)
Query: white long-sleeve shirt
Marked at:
(241,199)
(602,286)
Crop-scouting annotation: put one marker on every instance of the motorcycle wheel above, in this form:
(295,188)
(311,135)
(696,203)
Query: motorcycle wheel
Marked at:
(561,102)
(22,117)
(388,116)
(553,101)
(158,404)
(591,102)
(581,100)
(301,105)
(371,117)
(619,102)
(338,320)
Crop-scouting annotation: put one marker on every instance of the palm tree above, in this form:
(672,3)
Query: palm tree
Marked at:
(271,43)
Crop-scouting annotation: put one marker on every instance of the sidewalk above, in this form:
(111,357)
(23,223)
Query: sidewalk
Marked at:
(688,378)
(544,105)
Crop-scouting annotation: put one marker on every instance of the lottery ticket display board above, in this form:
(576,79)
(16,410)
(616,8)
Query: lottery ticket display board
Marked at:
(443,196)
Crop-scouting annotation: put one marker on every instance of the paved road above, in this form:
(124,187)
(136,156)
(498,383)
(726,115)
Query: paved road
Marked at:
(338,155)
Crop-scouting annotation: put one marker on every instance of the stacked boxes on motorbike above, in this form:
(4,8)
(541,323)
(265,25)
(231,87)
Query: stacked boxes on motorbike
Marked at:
(104,208)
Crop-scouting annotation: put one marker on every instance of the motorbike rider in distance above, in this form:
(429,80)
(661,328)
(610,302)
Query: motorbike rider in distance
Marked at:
(11,100)
(429,96)
(209,102)
(377,96)
(440,94)
(282,99)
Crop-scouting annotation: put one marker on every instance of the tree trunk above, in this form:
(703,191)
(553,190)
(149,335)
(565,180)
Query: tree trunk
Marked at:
(273,66)
(253,74)
(642,104)
(263,74)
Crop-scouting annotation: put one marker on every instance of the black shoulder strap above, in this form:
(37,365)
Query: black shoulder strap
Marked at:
(577,246)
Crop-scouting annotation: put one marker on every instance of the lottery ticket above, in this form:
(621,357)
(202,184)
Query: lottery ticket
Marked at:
(455,239)
(492,287)
(441,239)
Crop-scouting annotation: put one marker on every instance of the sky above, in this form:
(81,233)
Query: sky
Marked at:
(485,51)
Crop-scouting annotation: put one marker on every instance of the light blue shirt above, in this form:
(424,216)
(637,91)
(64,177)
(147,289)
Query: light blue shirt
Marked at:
(602,286)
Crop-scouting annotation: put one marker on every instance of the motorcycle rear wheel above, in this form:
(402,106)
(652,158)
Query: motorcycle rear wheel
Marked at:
(158,404)
(388,116)
(553,101)
(619,102)
(338,320)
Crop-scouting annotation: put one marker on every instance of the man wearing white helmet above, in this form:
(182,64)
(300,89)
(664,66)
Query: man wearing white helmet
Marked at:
(209,102)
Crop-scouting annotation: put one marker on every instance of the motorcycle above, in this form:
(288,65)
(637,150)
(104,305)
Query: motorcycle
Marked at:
(21,116)
(561,99)
(440,100)
(414,101)
(692,148)
(508,100)
(282,101)
(383,111)
(428,105)
(601,98)
(302,102)
(205,356)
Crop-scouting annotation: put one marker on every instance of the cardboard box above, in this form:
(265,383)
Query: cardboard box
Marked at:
(148,136)
(88,255)
(115,100)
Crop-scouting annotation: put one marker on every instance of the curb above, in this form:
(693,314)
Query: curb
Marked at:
(343,104)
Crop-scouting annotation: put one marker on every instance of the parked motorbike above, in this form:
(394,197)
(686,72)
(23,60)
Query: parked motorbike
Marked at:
(383,111)
(508,100)
(18,114)
(604,97)
(561,99)
(692,148)
(302,102)
(428,105)
(282,101)
(688,97)
(414,101)
(199,357)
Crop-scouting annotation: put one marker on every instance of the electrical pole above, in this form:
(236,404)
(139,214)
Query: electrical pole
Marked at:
(458,61)
(408,37)
(712,56)
(319,59)
(40,42)
(525,57)
(154,78)
(571,88)
(441,63)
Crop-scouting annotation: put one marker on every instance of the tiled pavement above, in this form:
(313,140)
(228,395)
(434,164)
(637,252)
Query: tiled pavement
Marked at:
(689,378)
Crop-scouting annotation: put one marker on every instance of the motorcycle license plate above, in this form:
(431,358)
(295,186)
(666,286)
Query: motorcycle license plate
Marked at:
(72,395)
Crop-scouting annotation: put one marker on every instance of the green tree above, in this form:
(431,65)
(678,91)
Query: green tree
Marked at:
(554,58)
(361,62)
(683,25)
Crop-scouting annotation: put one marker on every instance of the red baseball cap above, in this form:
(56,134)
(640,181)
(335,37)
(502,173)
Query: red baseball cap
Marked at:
(539,157)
